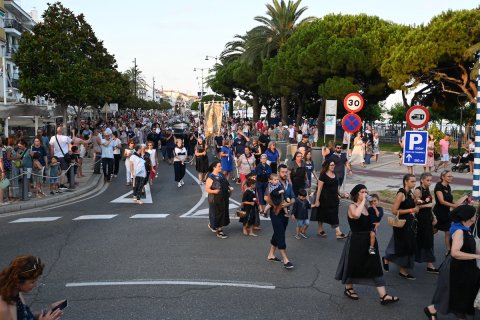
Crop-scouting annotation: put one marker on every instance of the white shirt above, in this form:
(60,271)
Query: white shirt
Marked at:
(107,151)
(153,156)
(138,166)
(63,142)
(291,132)
(117,143)
(180,154)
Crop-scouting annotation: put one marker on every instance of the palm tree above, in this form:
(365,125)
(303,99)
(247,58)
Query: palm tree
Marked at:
(276,27)
(136,80)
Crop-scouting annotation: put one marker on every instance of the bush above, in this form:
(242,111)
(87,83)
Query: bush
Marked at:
(437,135)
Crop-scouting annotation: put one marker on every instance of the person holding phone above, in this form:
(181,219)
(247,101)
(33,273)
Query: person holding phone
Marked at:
(19,278)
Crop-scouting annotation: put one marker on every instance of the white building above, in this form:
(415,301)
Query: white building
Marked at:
(15,21)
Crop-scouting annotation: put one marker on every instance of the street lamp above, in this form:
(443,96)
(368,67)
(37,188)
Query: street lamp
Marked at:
(201,92)
(216,58)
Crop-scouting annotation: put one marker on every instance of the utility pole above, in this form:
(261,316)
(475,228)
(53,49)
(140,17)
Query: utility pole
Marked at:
(153,89)
(135,76)
(201,92)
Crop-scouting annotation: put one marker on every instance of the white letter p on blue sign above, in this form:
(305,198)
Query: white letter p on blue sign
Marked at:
(415,139)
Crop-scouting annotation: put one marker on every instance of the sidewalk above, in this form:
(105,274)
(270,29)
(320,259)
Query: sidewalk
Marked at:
(85,184)
(387,174)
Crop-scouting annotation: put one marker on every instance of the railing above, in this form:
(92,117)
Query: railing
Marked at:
(14,24)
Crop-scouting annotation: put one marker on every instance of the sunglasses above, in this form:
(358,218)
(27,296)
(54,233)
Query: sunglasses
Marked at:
(35,266)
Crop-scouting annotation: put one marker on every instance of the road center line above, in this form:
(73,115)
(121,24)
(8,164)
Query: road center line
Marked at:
(204,283)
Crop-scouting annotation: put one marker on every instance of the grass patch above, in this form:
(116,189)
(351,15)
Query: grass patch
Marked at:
(390,147)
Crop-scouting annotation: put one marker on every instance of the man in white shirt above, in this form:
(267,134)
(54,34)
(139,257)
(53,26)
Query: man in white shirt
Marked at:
(139,172)
(60,146)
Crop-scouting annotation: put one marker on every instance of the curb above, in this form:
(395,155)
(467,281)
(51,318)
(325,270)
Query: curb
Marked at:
(91,184)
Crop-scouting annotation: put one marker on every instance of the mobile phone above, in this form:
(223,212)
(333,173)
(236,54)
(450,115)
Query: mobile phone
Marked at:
(61,306)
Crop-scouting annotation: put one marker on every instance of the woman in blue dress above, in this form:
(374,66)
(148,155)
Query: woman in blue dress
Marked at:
(226,157)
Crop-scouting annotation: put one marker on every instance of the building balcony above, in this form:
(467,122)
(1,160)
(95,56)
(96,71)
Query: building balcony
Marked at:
(10,50)
(13,26)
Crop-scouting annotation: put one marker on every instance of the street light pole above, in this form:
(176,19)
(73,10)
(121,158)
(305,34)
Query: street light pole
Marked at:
(153,89)
(201,93)
(135,75)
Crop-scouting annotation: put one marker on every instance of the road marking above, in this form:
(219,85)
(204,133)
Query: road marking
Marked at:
(127,199)
(202,197)
(149,216)
(44,219)
(96,217)
(203,213)
(251,285)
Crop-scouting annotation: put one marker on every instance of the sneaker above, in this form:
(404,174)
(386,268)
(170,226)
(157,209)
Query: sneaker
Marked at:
(303,235)
(222,235)
(211,229)
(297,237)
(181,181)
(288,265)
(179,185)
(371,250)
(407,276)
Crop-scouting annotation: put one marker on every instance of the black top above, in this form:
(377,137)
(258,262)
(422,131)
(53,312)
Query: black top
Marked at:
(447,196)
(23,311)
(339,160)
(361,224)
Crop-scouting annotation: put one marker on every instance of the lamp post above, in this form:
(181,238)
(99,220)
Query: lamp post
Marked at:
(461,105)
(201,92)
(476,161)
(135,75)
(213,57)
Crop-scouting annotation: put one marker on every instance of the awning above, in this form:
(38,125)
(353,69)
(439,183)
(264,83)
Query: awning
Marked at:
(22,110)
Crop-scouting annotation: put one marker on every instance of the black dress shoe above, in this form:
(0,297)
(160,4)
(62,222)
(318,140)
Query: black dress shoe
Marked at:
(407,276)
(433,270)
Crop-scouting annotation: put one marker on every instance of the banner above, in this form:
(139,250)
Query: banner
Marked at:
(330,117)
(213,118)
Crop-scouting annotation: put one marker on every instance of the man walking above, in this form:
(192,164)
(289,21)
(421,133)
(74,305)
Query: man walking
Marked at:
(60,147)
(107,145)
(340,160)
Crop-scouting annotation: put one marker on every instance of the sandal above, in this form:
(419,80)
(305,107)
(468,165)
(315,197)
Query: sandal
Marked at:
(322,234)
(431,316)
(385,301)
(351,294)
(341,236)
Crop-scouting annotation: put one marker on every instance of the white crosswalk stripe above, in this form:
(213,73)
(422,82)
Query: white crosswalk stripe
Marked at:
(96,217)
(149,216)
(43,219)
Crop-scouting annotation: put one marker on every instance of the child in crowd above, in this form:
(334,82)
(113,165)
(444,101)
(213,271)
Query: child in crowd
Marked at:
(54,175)
(375,213)
(300,212)
(37,175)
(249,205)
(276,191)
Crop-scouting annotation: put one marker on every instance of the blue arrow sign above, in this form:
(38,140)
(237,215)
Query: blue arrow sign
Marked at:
(415,145)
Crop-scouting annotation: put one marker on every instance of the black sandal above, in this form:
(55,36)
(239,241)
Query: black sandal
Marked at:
(431,316)
(322,234)
(384,301)
(351,294)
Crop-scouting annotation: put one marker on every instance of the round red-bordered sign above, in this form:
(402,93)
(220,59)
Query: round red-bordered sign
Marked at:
(353,102)
(418,117)
(351,122)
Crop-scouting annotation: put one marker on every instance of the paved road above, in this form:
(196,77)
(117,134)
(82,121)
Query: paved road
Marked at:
(169,266)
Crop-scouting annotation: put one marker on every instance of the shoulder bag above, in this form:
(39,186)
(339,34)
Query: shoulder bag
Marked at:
(66,156)
(395,222)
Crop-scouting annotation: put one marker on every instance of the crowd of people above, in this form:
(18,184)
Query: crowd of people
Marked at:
(282,187)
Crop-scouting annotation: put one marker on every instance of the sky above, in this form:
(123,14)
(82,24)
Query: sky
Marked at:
(171,38)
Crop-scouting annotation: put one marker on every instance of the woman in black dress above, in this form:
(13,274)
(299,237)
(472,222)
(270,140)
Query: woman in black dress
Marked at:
(356,265)
(297,173)
(327,201)
(425,221)
(201,159)
(443,204)
(401,248)
(458,281)
(218,190)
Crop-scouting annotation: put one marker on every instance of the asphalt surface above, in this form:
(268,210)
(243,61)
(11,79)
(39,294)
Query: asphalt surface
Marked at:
(174,268)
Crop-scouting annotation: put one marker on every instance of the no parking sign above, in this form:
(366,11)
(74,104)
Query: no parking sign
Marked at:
(351,122)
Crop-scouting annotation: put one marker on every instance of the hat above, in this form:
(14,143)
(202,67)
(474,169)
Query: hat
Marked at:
(357,189)
(108,131)
(462,213)
(305,136)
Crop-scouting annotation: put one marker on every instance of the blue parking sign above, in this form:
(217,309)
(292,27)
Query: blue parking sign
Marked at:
(415,145)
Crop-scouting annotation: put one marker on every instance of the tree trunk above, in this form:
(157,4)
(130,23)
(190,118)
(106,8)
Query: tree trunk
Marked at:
(321,118)
(230,107)
(301,104)
(256,107)
(284,109)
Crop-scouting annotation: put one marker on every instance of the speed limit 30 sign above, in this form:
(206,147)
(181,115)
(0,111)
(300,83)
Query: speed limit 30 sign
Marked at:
(353,102)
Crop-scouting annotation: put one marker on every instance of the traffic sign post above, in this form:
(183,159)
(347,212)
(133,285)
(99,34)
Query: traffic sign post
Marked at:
(353,102)
(415,145)
(418,117)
